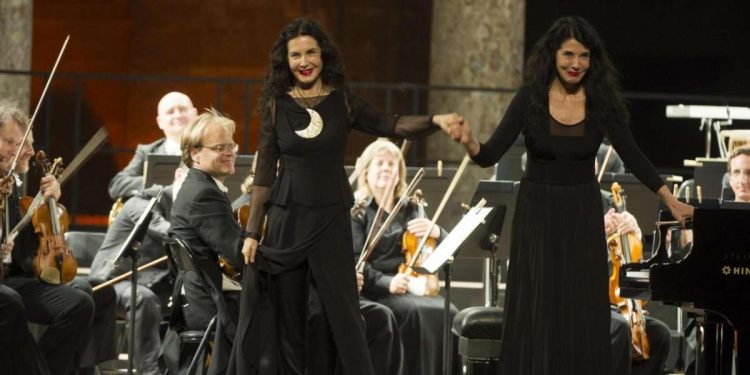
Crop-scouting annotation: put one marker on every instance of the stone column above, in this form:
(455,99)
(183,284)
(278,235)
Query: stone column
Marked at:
(478,43)
(15,50)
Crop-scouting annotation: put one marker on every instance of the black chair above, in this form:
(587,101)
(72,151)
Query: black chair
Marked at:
(183,260)
(84,245)
(479,330)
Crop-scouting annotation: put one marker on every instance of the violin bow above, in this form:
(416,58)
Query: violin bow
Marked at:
(439,210)
(38,105)
(603,167)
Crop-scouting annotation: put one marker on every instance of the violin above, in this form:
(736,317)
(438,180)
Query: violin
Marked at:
(409,245)
(54,262)
(624,249)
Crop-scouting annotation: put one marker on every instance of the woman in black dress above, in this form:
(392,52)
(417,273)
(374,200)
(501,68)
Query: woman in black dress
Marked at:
(556,307)
(419,317)
(300,311)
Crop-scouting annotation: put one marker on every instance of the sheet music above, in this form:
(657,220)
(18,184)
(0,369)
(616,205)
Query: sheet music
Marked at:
(455,238)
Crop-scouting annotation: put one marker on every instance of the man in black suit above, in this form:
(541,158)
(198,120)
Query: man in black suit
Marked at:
(67,311)
(202,217)
(174,113)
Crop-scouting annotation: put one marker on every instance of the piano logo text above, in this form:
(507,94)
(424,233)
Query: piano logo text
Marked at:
(735,271)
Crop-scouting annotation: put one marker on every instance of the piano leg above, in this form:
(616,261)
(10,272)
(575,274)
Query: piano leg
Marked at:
(717,347)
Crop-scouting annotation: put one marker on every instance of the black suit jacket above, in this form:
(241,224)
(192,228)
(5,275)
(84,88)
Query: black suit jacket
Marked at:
(129,181)
(202,216)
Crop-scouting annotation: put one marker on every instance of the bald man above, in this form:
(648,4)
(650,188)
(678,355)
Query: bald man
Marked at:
(174,113)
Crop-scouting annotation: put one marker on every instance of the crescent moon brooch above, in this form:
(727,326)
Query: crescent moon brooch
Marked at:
(315,126)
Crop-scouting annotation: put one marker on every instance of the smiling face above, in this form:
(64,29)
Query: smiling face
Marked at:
(174,113)
(572,61)
(382,169)
(739,177)
(305,61)
(207,157)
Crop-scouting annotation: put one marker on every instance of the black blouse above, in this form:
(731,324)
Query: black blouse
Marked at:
(582,143)
(311,171)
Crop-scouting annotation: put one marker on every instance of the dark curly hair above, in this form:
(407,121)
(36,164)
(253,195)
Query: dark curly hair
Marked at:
(279,78)
(606,107)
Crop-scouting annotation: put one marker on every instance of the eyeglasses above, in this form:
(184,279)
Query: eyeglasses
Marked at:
(223,147)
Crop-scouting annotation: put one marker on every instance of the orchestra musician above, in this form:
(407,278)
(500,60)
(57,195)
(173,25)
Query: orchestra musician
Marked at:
(202,216)
(657,332)
(305,260)
(67,311)
(557,282)
(154,284)
(420,318)
(174,112)
(738,166)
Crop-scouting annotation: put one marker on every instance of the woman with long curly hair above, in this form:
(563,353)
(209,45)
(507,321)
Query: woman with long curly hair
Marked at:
(300,311)
(556,303)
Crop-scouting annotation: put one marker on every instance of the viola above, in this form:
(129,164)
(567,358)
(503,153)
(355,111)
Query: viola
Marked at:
(54,262)
(624,249)
(409,245)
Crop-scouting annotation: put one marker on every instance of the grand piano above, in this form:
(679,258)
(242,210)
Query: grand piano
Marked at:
(711,281)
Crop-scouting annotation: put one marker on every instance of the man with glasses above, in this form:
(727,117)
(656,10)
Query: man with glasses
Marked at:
(174,113)
(202,217)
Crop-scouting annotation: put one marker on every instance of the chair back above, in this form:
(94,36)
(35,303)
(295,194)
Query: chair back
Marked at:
(84,245)
(180,254)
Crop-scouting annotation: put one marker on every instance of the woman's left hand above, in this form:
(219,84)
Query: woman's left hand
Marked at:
(420,227)
(450,123)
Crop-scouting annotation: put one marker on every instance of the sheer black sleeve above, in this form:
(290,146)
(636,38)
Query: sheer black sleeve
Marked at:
(635,160)
(369,120)
(504,135)
(265,171)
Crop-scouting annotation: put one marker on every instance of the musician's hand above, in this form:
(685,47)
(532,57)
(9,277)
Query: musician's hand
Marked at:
(610,222)
(6,184)
(50,187)
(360,281)
(399,284)
(420,226)
(628,224)
(6,248)
(248,250)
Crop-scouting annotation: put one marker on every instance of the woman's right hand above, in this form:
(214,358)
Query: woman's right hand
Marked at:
(467,139)
(399,284)
(248,250)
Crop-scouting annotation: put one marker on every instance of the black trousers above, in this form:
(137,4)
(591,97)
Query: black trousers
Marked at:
(68,314)
(19,353)
(658,339)
(383,338)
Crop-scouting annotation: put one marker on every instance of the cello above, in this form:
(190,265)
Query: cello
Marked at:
(624,249)
(54,262)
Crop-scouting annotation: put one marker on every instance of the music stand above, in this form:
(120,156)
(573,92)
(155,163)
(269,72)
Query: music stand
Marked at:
(442,256)
(130,249)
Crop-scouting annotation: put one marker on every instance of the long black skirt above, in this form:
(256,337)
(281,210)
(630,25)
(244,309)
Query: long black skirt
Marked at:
(556,305)
(300,309)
